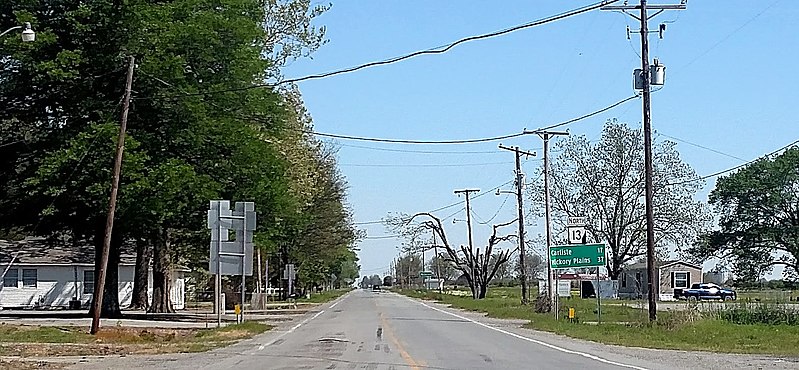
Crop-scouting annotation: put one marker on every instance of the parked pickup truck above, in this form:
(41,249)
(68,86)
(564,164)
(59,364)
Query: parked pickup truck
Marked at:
(706,291)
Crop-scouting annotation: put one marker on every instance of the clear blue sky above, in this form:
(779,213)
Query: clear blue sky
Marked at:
(730,86)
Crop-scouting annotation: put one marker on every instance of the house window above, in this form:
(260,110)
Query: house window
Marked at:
(680,279)
(10,280)
(88,282)
(623,280)
(29,278)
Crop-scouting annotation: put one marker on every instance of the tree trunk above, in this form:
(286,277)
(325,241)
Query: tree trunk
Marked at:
(140,300)
(110,307)
(483,290)
(161,274)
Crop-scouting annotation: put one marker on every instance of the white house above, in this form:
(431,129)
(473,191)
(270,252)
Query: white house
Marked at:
(48,274)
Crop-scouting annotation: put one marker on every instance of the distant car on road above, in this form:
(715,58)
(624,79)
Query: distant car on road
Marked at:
(706,291)
(375,288)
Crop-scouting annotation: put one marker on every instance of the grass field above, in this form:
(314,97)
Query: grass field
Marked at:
(626,324)
(325,296)
(28,341)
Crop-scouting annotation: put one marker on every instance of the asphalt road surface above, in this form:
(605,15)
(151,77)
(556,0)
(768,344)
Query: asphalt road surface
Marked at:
(370,330)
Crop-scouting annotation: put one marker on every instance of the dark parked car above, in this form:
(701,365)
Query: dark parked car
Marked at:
(708,291)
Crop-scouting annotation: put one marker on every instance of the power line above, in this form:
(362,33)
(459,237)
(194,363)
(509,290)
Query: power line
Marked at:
(734,168)
(368,222)
(444,207)
(403,141)
(416,151)
(468,141)
(383,237)
(436,50)
(406,141)
(725,38)
(432,165)
(703,147)
(495,213)
(609,107)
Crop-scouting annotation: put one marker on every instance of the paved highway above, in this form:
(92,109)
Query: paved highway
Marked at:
(369,330)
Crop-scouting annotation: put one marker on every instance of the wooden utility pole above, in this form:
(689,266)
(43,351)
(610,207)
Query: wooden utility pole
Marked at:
(519,203)
(97,304)
(469,222)
(546,135)
(468,211)
(651,274)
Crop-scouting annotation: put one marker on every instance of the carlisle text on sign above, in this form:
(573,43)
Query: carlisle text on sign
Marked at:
(571,256)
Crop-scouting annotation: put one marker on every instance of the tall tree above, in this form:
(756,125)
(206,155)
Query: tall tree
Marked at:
(442,268)
(408,268)
(604,182)
(534,264)
(758,209)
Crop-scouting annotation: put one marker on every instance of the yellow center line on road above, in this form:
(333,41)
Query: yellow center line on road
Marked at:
(405,355)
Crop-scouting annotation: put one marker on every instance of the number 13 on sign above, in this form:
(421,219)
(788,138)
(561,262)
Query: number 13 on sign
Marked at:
(576,234)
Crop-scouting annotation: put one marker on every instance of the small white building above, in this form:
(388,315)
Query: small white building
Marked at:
(48,275)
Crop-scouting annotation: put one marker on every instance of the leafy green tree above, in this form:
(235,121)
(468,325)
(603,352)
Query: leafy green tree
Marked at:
(758,210)
(187,143)
(375,280)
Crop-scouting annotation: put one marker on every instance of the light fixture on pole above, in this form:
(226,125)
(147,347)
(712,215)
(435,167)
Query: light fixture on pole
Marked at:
(27,34)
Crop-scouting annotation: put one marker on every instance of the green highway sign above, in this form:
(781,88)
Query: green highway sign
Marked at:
(425,274)
(578,255)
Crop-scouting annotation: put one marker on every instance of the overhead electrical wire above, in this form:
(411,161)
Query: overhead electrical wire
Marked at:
(420,151)
(495,213)
(733,32)
(444,207)
(406,141)
(609,107)
(481,140)
(702,147)
(432,165)
(436,50)
(734,168)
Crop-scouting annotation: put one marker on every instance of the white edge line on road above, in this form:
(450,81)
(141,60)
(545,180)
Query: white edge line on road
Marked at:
(293,328)
(552,346)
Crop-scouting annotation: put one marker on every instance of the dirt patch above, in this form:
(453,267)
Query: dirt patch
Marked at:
(41,342)
(146,335)
(29,365)
(233,334)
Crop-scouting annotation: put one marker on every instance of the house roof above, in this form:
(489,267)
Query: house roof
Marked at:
(41,251)
(642,265)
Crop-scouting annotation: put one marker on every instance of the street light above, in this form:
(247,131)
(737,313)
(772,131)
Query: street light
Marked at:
(27,34)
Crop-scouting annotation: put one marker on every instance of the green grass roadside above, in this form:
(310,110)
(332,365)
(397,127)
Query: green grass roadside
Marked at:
(627,325)
(325,296)
(36,341)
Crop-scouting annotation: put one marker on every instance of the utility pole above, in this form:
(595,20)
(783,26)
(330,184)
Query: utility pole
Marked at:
(97,304)
(519,200)
(468,211)
(646,76)
(545,135)
(438,264)
(469,223)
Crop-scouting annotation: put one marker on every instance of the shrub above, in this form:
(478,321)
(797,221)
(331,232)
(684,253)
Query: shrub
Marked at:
(542,304)
(759,313)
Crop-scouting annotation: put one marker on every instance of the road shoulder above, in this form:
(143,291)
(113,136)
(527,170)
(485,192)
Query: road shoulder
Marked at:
(640,357)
